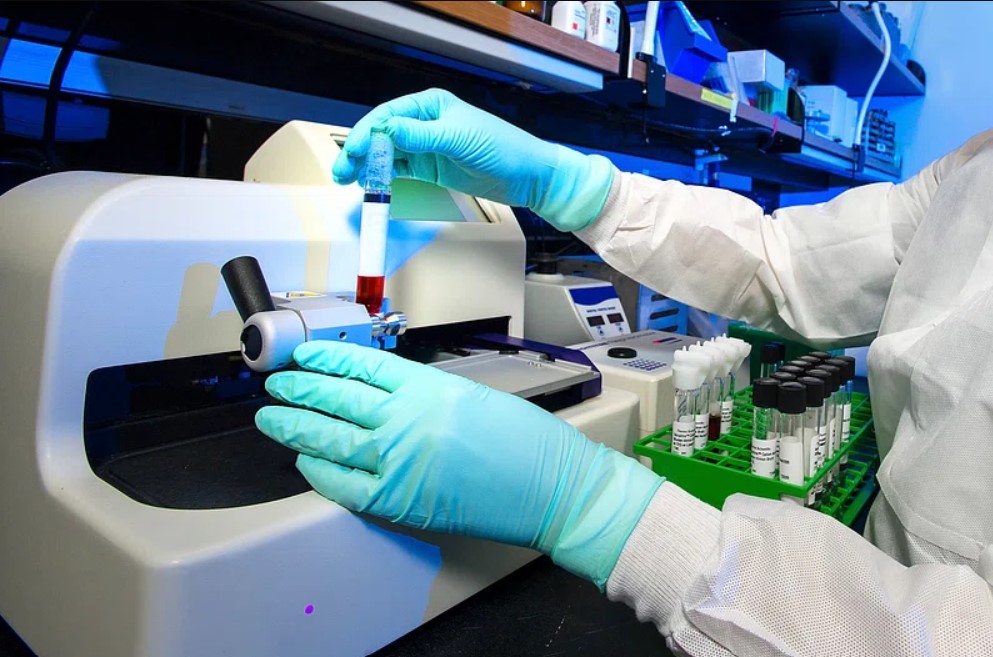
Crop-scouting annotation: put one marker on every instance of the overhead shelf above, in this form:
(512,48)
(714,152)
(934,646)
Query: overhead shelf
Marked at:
(475,33)
(517,27)
(827,42)
(706,108)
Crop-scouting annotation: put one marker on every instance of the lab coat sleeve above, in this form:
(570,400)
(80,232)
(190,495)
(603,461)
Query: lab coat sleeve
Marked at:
(766,578)
(820,273)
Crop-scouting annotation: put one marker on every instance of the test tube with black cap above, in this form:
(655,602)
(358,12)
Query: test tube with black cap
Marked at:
(770,358)
(791,402)
(831,409)
(844,400)
(765,438)
(815,443)
(820,355)
(782,377)
(811,360)
(795,370)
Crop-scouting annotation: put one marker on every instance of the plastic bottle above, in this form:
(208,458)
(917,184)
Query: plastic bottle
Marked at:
(570,17)
(603,24)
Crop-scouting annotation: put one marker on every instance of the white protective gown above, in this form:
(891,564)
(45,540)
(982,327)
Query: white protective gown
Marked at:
(910,265)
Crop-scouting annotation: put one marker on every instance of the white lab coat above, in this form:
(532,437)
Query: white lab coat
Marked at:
(910,265)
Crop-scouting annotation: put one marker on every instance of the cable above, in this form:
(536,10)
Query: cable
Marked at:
(887,49)
(55,86)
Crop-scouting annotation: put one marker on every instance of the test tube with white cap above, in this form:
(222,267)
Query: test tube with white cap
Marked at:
(687,376)
(717,383)
(726,379)
(702,359)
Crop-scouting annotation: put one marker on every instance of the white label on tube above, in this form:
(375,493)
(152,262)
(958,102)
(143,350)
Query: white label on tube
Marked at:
(846,423)
(683,437)
(702,421)
(791,461)
(372,239)
(764,457)
(727,409)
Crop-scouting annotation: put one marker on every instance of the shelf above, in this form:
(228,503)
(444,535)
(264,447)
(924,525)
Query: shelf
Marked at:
(828,42)
(332,61)
(517,27)
(795,145)
(497,48)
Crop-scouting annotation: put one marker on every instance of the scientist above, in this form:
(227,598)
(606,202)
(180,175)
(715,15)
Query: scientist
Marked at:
(910,265)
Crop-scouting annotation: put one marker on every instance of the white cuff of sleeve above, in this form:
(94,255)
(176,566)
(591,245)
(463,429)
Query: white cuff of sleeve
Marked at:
(610,217)
(665,553)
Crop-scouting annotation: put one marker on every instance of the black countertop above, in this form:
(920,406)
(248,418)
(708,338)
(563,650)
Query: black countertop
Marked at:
(540,610)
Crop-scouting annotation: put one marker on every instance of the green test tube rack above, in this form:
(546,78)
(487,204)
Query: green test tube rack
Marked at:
(723,467)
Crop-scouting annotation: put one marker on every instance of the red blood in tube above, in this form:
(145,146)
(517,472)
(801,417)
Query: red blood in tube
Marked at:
(369,292)
(714,428)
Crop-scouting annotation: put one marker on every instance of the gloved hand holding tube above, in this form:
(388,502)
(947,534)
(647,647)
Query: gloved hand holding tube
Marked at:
(444,140)
(429,449)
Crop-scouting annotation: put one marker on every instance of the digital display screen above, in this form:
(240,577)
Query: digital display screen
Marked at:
(614,318)
(595,320)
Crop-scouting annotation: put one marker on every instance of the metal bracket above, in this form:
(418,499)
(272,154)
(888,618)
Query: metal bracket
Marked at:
(654,87)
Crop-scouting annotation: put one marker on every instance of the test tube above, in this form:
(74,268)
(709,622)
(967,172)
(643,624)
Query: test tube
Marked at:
(770,357)
(832,383)
(844,412)
(686,379)
(794,370)
(847,410)
(791,401)
(716,389)
(375,221)
(782,377)
(726,380)
(765,437)
(798,362)
(743,351)
(702,418)
(810,360)
(820,355)
(814,434)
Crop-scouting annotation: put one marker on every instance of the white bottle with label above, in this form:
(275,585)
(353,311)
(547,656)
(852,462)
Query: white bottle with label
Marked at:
(603,24)
(570,17)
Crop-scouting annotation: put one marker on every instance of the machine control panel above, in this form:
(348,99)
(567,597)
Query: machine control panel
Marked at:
(601,309)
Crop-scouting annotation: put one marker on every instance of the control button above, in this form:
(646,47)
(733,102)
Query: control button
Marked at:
(621,352)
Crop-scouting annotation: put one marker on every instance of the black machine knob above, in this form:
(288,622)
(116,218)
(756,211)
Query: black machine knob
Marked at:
(622,352)
(247,286)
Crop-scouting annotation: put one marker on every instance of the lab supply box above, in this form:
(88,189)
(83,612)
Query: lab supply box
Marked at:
(723,467)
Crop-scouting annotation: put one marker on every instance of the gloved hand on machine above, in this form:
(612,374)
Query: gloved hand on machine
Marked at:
(425,448)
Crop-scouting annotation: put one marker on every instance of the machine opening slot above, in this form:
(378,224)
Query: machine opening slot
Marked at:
(181,434)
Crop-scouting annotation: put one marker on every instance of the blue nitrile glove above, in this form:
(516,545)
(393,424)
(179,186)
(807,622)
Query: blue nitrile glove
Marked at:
(433,450)
(440,139)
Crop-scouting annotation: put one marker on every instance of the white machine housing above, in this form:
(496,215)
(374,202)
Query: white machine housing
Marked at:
(563,310)
(100,270)
(647,373)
